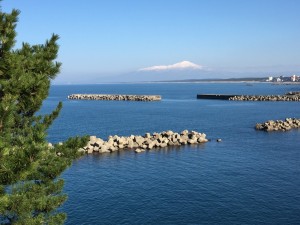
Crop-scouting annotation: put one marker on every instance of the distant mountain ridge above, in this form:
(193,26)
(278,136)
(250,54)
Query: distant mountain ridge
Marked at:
(242,79)
(184,71)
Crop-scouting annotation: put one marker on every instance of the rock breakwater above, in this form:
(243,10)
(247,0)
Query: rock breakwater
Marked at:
(114,97)
(290,96)
(143,143)
(279,125)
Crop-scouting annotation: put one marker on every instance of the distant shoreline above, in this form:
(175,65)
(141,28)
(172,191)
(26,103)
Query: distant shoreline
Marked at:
(189,82)
(223,81)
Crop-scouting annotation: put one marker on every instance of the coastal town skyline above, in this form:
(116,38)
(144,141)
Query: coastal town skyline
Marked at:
(110,39)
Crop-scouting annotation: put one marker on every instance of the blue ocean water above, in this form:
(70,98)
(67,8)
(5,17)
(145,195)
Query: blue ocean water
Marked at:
(251,177)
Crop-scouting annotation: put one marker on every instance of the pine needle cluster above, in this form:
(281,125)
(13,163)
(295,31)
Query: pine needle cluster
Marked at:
(30,187)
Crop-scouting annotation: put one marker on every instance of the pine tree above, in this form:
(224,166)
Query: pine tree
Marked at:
(30,187)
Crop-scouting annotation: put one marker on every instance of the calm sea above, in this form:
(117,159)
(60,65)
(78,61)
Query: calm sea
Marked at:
(251,177)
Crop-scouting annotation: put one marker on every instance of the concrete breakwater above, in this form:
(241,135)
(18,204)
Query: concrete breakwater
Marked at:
(290,96)
(114,97)
(214,96)
(142,143)
(279,125)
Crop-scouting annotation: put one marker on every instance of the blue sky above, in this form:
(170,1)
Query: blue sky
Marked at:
(107,38)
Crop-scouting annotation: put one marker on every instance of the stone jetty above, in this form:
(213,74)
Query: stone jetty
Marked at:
(142,143)
(279,125)
(214,96)
(290,96)
(115,97)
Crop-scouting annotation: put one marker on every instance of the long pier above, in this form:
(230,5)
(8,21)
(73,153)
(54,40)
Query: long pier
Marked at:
(215,96)
(291,96)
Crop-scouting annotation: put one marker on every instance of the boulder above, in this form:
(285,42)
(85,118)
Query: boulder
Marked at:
(139,140)
(122,140)
(185,132)
(81,150)
(138,150)
(151,145)
(135,145)
(103,149)
(170,143)
(112,149)
(98,142)
(202,140)
(130,143)
(93,139)
(50,145)
(163,145)
(192,141)
(147,141)
(147,135)
(169,133)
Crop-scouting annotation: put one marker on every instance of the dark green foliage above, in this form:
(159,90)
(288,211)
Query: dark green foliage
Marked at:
(30,188)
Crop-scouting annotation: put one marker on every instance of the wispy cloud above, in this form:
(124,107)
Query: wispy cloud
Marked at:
(177,66)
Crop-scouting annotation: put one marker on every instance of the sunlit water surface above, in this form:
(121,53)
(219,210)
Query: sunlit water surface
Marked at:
(251,177)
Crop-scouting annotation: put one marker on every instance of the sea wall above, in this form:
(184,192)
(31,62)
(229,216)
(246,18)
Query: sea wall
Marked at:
(114,97)
(290,96)
(142,143)
(214,96)
(279,125)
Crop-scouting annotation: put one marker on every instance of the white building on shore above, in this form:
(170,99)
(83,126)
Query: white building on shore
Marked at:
(293,78)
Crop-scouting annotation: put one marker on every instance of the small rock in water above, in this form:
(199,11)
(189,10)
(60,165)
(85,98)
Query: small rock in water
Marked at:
(138,150)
